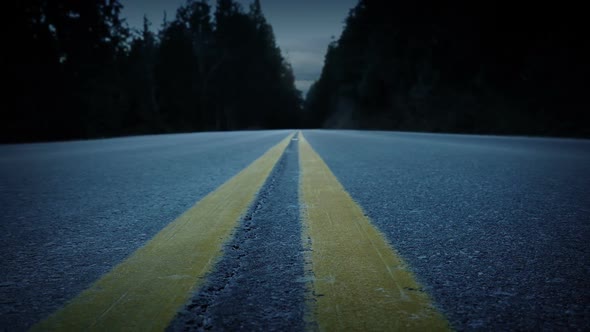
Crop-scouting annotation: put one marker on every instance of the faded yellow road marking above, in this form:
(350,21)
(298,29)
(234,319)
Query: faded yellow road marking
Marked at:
(359,283)
(145,291)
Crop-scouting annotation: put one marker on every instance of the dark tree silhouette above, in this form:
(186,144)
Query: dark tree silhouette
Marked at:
(485,67)
(81,73)
(143,113)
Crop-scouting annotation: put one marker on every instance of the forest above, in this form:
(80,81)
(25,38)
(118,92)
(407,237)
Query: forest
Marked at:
(492,67)
(77,71)
(80,72)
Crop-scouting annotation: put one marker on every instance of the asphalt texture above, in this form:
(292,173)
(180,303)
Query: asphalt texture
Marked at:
(497,229)
(71,211)
(259,284)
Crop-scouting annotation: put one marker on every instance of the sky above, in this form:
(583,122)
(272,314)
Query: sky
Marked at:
(303,28)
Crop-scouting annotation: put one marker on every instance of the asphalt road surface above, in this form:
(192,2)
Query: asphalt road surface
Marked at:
(72,211)
(496,230)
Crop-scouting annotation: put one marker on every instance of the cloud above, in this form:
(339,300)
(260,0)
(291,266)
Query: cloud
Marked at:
(304,85)
(306,65)
(306,56)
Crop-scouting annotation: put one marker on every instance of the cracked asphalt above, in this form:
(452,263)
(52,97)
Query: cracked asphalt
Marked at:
(496,229)
(71,211)
(258,285)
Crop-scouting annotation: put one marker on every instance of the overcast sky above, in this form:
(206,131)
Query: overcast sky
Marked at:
(303,28)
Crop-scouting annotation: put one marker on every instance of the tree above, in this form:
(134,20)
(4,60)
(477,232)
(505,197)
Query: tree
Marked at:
(142,115)
(81,74)
(434,66)
(70,52)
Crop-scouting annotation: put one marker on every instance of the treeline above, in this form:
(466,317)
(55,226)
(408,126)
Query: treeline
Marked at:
(75,70)
(456,66)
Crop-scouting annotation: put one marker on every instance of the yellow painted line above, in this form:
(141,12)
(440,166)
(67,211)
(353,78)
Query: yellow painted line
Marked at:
(359,282)
(145,291)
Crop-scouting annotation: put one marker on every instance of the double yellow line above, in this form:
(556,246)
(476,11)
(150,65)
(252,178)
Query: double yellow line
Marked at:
(356,280)
(145,291)
(359,283)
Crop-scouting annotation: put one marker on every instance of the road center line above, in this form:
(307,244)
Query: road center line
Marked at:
(144,292)
(359,283)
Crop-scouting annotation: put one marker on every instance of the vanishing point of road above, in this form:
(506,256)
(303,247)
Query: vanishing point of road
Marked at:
(296,230)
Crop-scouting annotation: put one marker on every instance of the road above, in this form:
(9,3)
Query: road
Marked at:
(481,232)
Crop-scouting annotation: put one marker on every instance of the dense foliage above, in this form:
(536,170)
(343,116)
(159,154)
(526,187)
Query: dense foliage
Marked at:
(456,66)
(76,71)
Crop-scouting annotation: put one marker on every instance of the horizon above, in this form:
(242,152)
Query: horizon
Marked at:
(302,29)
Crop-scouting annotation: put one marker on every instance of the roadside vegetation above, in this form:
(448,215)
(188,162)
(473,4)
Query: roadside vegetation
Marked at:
(79,72)
(469,67)
(76,70)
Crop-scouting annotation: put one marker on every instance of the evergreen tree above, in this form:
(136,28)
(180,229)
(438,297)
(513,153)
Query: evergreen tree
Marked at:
(80,73)
(142,115)
(443,66)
